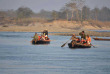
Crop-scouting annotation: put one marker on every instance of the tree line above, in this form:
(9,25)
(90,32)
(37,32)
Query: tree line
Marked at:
(75,10)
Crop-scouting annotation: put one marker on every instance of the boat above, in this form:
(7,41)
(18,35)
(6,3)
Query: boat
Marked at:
(41,42)
(101,39)
(79,45)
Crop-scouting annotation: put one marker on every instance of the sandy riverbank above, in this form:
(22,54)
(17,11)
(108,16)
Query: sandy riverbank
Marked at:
(58,26)
(91,33)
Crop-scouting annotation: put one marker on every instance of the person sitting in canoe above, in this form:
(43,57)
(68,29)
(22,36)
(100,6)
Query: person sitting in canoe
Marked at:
(74,39)
(45,32)
(35,37)
(88,39)
(83,41)
(46,37)
(42,37)
(78,40)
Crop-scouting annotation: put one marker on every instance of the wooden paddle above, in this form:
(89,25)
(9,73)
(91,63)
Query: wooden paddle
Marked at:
(93,46)
(65,43)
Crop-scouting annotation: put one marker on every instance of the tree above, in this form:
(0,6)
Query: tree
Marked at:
(75,6)
(96,13)
(24,12)
(85,13)
(11,13)
(104,14)
(65,12)
(80,5)
(44,14)
(72,7)
(54,14)
(2,15)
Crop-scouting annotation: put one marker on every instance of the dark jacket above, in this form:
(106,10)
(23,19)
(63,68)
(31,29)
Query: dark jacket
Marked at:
(46,32)
(82,35)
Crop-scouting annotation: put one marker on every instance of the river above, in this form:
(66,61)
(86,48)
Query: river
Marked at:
(19,56)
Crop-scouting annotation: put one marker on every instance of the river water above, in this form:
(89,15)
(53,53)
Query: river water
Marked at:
(19,56)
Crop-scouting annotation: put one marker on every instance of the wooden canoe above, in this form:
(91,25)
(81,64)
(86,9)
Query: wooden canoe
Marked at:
(79,46)
(41,42)
(101,39)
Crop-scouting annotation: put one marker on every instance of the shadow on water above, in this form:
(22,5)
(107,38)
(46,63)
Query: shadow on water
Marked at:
(80,48)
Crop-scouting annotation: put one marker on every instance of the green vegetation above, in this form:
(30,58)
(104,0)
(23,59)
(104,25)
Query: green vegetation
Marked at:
(24,12)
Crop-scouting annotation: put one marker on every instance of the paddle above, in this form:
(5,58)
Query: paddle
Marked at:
(65,43)
(93,46)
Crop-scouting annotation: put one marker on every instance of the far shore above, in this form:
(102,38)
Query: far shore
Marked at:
(91,33)
(66,28)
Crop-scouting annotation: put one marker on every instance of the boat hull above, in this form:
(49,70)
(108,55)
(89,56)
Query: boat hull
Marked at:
(101,39)
(41,42)
(78,46)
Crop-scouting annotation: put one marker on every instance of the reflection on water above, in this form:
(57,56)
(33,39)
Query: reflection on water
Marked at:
(19,56)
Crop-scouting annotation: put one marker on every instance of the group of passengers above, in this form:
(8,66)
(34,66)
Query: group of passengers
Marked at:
(85,39)
(43,37)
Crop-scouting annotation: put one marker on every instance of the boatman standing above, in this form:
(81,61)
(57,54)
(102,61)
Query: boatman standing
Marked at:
(83,35)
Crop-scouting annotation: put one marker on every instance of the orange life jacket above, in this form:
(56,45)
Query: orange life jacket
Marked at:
(77,39)
(89,39)
(39,37)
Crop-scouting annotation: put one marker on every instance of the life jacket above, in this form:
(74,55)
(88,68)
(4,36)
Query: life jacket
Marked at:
(88,39)
(39,37)
(78,39)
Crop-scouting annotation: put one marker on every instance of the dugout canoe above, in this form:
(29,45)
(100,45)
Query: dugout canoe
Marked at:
(101,39)
(41,42)
(79,46)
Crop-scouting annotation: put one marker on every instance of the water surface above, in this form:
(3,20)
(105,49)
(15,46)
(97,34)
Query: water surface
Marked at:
(19,56)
